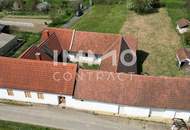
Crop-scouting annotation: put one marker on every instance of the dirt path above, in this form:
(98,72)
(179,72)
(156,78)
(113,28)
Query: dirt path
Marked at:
(158,41)
(68,119)
(29,25)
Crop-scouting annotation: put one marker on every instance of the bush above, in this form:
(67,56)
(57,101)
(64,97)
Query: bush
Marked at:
(187,38)
(60,20)
(108,1)
(144,6)
(6,4)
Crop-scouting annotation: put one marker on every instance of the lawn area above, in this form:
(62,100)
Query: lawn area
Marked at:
(157,42)
(7,125)
(176,9)
(103,18)
(29,38)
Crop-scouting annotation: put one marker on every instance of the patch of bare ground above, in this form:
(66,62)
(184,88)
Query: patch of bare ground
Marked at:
(157,42)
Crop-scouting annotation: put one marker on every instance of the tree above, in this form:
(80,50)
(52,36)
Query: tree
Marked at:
(143,6)
(5,4)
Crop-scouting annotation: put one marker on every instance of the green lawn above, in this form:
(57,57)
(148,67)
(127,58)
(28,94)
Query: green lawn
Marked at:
(29,38)
(6,125)
(103,18)
(176,9)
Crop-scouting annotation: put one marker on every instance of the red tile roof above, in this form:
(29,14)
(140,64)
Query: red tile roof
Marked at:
(133,90)
(98,43)
(64,36)
(183,23)
(183,54)
(30,54)
(52,43)
(37,76)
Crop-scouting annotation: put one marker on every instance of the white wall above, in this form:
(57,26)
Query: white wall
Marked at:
(126,111)
(182,30)
(92,106)
(163,113)
(130,111)
(20,96)
(185,115)
(83,59)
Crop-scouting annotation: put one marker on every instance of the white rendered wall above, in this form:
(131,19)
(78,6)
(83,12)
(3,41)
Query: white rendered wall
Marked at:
(20,96)
(182,30)
(163,113)
(127,111)
(83,59)
(185,115)
(130,111)
(91,106)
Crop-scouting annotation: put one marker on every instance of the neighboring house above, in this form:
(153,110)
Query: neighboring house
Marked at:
(99,44)
(183,58)
(183,25)
(7,42)
(4,28)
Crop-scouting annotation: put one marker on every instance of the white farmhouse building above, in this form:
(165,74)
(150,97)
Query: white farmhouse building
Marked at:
(33,77)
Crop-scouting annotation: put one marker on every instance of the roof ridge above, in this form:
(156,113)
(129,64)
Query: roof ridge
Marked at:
(36,61)
(136,75)
(72,39)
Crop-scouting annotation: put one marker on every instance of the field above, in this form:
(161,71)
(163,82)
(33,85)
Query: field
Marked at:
(157,41)
(6,125)
(103,18)
(176,9)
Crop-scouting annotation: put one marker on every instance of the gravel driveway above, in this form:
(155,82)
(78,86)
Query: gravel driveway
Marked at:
(69,119)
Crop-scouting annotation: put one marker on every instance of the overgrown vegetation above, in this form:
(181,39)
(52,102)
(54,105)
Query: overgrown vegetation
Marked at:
(28,38)
(8,125)
(90,67)
(103,18)
(144,6)
(186,39)
(177,9)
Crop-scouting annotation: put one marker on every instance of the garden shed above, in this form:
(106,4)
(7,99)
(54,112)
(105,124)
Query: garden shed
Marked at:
(7,42)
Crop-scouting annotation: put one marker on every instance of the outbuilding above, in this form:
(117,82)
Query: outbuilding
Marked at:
(7,42)
(4,28)
(183,58)
(183,25)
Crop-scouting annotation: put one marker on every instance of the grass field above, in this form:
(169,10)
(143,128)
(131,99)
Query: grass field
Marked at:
(158,40)
(176,9)
(103,18)
(6,125)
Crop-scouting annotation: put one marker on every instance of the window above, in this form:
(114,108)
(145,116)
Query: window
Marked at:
(86,54)
(10,92)
(40,95)
(27,94)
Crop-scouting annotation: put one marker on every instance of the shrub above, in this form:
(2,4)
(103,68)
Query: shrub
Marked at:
(187,38)
(108,1)
(144,6)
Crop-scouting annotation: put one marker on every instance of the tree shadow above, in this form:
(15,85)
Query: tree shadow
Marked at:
(141,57)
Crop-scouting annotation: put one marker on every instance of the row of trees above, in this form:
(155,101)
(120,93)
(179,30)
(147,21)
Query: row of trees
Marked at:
(23,5)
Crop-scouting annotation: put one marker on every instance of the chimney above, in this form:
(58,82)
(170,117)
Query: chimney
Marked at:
(38,56)
(47,33)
